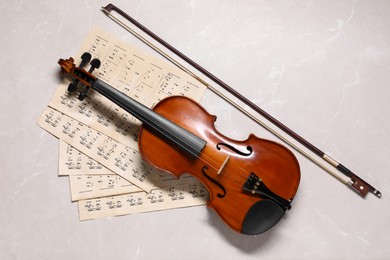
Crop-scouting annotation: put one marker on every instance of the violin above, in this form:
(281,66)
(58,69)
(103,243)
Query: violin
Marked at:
(251,182)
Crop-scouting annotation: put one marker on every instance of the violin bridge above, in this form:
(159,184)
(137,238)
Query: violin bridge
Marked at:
(223,165)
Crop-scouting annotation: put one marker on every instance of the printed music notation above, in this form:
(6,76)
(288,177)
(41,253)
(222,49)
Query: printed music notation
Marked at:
(73,162)
(96,186)
(119,158)
(159,199)
(98,149)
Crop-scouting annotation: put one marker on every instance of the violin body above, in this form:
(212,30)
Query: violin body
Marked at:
(224,166)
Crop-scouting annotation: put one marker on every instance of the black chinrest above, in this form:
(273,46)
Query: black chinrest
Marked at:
(262,216)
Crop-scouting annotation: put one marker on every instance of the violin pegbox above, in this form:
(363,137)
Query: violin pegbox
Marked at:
(94,64)
(85,58)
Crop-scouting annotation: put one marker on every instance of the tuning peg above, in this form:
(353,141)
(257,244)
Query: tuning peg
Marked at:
(95,64)
(85,58)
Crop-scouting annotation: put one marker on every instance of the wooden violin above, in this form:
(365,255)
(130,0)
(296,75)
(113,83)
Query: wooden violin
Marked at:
(251,182)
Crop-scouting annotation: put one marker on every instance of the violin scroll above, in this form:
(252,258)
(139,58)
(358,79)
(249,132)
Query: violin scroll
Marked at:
(67,66)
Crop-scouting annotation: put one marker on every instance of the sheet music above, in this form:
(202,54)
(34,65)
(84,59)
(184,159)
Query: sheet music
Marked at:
(101,155)
(159,199)
(96,186)
(117,157)
(74,162)
(139,75)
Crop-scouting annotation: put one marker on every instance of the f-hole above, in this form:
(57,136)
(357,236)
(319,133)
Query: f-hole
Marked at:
(234,149)
(219,195)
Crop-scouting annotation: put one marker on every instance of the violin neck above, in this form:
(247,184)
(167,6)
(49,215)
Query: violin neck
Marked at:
(152,120)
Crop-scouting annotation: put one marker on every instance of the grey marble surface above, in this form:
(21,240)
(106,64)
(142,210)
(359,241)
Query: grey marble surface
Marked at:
(321,67)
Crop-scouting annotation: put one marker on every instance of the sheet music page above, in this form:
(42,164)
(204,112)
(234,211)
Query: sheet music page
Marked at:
(73,162)
(186,195)
(98,147)
(133,72)
(87,186)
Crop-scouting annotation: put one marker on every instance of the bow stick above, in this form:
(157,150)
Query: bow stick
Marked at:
(355,182)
